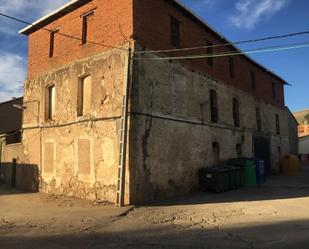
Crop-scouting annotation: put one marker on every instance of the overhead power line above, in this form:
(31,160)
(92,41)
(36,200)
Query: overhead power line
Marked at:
(59,33)
(226,54)
(225,44)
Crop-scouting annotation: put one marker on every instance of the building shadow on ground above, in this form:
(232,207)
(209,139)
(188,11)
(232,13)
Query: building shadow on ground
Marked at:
(277,235)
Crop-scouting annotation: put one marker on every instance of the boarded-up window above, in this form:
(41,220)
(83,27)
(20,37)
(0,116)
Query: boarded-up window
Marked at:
(83,156)
(49,157)
(236,112)
(209,52)
(50,102)
(213,106)
(175,32)
(84,96)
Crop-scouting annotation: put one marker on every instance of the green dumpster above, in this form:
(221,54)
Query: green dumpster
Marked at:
(214,179)
(250,174)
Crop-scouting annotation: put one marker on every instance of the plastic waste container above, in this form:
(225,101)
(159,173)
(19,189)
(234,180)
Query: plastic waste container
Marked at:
(290,165)
(260,171)
(250,173)
(214,179)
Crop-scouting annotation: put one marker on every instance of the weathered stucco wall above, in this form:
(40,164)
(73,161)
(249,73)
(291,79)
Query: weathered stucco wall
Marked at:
(23,176)
(77,156)
(171,132)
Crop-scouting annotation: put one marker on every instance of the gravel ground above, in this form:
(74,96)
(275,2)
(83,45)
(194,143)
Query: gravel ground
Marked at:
(275,215)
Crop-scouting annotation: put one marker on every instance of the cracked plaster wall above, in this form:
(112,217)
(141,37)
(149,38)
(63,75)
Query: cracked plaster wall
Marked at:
(171,132)
(58,140)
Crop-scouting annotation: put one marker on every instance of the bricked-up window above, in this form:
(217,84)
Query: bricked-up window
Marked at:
(84,96)
(175,32)
(214,116)
(50,102)
(258,119)
(277,124)
(236,112)
(86,20)
(273,90)
(231,67)
(253,80)
(209,52)
(216,151)
(52,42)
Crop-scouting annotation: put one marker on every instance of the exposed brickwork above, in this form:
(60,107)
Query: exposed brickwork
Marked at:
(113,22)
(152,31)
(113,25)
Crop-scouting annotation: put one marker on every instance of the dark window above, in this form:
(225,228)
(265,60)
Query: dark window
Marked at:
(253,80)
(175,32)
(85,29)
(277,124)
(231,66)
(50,102)
(13,138)
(236,112)
(213,106)
(216,151)
(273,90)
(239,150)
(258,119)
(209,51)
(51,43)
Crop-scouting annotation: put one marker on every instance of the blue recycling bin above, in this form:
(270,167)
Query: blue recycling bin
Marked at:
(260,171)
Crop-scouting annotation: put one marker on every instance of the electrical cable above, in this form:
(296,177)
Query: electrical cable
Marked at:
(225,44)
(59,33)
(226,54)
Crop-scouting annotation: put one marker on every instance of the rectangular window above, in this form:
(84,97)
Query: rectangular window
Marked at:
(277,124)
(273,90)
(236,112)
(175,32)
(86,26)
(213,106)
(52,42)
(209,51)
(258,119)
(50,102)
(84,96)
(231,66)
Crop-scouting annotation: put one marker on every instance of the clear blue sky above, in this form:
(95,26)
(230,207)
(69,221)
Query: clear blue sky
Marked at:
(235,19)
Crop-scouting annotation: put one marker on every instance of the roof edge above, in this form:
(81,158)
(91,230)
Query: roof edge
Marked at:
(73,4)
(225,40)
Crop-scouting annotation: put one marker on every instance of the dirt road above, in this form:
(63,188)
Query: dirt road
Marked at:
(275,215)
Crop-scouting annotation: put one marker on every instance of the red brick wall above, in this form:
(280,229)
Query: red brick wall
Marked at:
(152,31)
(112,21)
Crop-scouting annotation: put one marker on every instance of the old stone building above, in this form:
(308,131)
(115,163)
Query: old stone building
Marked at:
(105,120)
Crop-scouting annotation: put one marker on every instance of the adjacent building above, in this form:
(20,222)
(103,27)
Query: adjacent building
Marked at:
(114,110)
(303,120)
